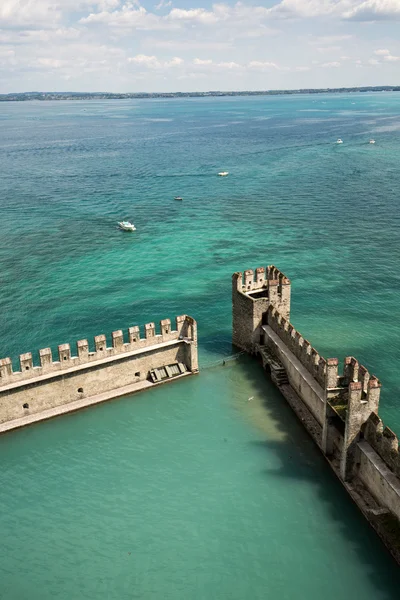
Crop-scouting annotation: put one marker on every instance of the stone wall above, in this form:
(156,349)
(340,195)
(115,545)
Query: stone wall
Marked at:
(301,348)
(34,389)
(252,294)
(309,390)
(384,441)
(378,478)
(345,405)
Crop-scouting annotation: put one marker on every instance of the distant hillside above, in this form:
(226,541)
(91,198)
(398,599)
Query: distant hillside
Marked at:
(24,96)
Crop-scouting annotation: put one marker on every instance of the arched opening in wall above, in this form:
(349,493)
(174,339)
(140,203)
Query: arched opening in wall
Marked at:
(267,369)
(25,405)
(80,390)
(27,368)
(258,358)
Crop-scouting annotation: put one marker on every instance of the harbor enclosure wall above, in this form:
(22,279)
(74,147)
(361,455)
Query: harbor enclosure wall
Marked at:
(343,407)
(34,389)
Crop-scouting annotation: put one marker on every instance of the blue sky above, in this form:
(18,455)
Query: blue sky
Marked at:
(187,45)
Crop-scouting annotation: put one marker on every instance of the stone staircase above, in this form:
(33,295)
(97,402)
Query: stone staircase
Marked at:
(278,372)
(279,376)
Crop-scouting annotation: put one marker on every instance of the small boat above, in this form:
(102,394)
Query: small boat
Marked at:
(178,198)
(372,141)
(223,173)
(339,141)
(126,226)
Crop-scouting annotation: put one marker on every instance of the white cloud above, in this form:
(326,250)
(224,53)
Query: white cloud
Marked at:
(163,4)
(328,39)
(255,65)
(17,13)
(386,55)
(302,8)
(372,10)
(175,62)
(199,15)
(45,13)
(46,42)
(357,10)
(329,65)
(136,16)
(52,62)
(238,12)
(229,65)
(152,62)
(128,17)
(391,58)
(262,65)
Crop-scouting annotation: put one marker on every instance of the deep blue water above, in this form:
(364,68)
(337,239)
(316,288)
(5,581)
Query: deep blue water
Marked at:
(212,495)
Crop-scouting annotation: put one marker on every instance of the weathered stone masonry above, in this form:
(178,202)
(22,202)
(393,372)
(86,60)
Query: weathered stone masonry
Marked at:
(339,410)
(38,392)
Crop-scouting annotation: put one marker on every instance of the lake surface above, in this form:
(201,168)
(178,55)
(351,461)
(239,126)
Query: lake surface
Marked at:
(191,491)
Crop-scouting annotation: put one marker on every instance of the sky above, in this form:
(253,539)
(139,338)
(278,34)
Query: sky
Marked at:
(197,45)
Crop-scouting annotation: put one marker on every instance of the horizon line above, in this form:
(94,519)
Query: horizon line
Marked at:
(213,92)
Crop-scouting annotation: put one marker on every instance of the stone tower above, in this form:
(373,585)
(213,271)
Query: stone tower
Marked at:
(251,297)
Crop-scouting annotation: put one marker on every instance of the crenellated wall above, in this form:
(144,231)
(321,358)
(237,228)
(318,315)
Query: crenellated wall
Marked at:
(34,389)
(381,475)
(384,441)
(83,355)
(309,357)
(342,408)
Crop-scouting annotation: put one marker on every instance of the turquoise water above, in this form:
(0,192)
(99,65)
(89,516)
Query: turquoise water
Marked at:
(211,495)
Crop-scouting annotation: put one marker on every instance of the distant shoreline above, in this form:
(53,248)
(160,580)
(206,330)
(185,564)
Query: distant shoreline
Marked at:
(26,96)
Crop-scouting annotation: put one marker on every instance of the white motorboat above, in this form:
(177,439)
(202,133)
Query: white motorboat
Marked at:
(223,173)
(126,226)
(178,198)
(339,141)
(372,141)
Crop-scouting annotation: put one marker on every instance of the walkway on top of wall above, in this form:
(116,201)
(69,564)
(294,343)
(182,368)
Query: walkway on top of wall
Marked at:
(317,389)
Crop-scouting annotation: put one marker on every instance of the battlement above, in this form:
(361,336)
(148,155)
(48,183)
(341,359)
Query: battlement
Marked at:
(339,409)
(252,293)
(186,329)
(309,357)
(354,371)
(384,441)
(262,279)
(326,371)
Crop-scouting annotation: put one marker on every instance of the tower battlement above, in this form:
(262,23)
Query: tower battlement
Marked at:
(262,279)
(253,292)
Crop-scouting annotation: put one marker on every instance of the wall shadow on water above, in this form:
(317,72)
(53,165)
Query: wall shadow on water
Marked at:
(298,447)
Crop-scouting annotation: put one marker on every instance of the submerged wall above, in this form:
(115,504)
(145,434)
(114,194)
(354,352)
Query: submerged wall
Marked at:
(342,407)
(35,389)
